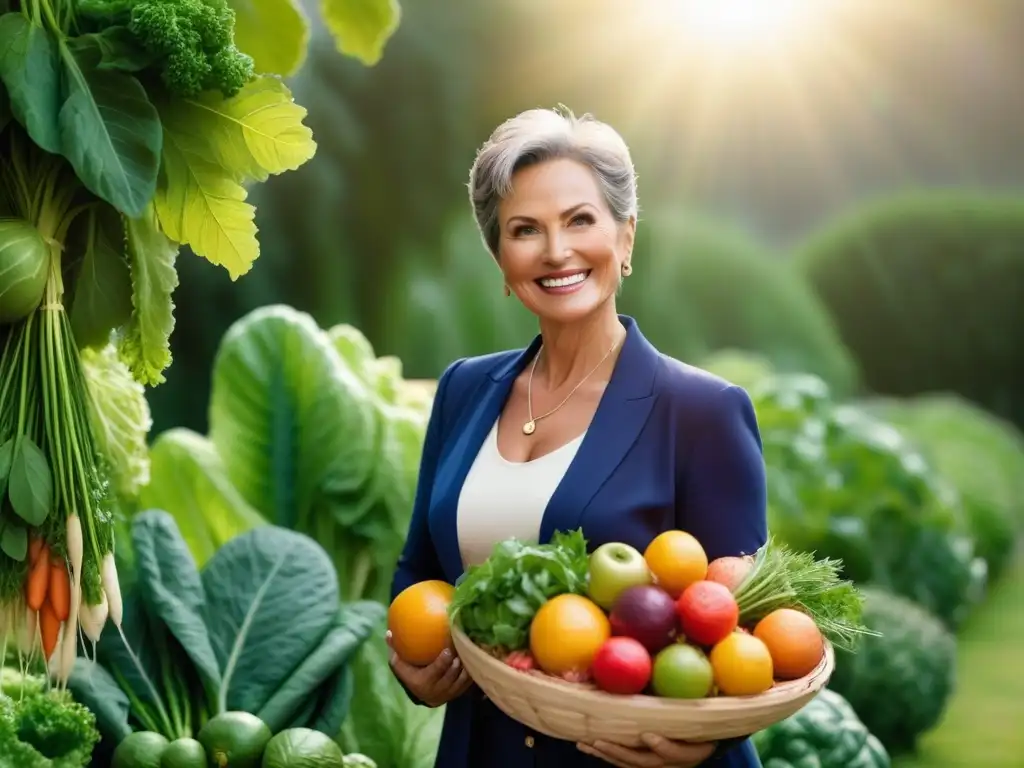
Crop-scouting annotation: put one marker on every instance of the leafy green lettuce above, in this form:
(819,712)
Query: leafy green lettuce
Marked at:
(495,601)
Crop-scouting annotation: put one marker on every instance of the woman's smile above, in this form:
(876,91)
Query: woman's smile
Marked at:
(563,281)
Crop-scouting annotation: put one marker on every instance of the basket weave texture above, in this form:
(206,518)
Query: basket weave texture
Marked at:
(581,712)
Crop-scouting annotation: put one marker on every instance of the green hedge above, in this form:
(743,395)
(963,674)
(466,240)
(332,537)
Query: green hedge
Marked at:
(981,455)
(698,288)
(928,292)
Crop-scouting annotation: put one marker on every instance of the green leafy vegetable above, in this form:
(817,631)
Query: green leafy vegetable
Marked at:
(258,630)
(120,418)
(42,728)
(495,601)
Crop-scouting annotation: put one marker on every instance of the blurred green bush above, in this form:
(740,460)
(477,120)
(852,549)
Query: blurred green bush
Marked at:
(982,455)
(698,287)
(927,290)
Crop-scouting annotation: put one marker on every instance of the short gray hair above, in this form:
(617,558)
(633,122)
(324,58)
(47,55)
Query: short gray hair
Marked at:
(539,135)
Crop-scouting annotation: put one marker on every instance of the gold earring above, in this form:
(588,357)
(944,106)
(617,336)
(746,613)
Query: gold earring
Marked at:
(627,269)
(508,291)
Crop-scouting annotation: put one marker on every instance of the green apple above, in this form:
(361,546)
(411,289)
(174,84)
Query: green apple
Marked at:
(682,672)
(615,567)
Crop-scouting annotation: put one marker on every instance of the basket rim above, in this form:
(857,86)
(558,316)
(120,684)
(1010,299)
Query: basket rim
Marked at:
(540,681)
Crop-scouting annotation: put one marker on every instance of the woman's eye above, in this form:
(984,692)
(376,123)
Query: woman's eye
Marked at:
(523,230)
(582,219)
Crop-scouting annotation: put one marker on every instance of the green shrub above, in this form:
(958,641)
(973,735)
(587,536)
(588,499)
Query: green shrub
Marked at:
(978,453)
(928,292)
(850,486)
(900,682)
(697,288)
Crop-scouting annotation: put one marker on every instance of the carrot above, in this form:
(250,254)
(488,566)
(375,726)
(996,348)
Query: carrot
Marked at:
(38,583)
(49,628)
(35,548)
(60,590)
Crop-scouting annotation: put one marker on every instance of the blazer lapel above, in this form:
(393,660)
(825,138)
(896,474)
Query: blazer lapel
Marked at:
(620,417)
(470,429)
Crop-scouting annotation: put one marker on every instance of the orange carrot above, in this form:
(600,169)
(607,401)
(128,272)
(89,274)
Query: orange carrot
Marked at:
(49,629)
(36,547)
(60,590)
(38,583)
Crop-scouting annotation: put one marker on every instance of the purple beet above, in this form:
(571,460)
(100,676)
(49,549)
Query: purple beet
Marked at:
(646,613)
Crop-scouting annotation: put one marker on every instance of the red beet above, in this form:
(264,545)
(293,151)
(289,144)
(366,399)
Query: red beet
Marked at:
(646,613)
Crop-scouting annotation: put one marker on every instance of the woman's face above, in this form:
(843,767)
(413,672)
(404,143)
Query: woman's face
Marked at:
(560,249)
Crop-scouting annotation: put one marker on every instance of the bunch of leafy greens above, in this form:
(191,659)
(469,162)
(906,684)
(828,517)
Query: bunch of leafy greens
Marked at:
(311,430)
(495,601)
(41,727)
(259,629)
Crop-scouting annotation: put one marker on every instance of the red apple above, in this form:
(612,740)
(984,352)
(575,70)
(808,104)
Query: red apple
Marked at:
(646,613)
(622,665)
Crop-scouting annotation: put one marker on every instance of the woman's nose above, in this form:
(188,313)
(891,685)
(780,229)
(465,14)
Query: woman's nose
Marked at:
(557,252)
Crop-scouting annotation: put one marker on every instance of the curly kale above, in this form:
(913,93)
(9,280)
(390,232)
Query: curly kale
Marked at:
(189,42)
(46,729)
(194,41)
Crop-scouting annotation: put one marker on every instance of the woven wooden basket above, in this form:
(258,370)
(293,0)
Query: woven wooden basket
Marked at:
(580,712)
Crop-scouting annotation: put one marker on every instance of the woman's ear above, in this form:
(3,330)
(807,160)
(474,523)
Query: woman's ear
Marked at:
(629,236)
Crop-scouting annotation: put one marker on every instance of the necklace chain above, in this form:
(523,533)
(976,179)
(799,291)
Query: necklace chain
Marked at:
(531,426)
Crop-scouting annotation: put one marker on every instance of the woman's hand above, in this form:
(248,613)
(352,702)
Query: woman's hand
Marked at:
(662,753)
(439,682)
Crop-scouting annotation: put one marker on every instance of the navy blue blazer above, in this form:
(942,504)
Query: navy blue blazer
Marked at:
(670,446)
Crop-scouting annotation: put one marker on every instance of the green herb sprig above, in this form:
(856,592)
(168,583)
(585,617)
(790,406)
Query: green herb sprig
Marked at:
(784,578)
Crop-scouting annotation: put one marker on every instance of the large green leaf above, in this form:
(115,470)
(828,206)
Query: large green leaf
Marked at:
(382,721)
(272,597)
(110,132)
(355,624)
(103,284)
(187,480)
(92,685)
(145,346)
(170,586)
(361,28)
(274,33)
(291,423)
(30,69)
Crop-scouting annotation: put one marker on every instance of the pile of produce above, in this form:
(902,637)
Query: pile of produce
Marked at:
(127,129)
(665,622)
(254,645)
(236,740)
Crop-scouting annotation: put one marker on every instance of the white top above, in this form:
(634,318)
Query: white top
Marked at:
(503,499)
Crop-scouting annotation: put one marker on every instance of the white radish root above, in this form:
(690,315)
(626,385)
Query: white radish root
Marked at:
(93,618)
(112,588)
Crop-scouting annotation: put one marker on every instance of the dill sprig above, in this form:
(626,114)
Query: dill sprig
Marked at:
(783,578)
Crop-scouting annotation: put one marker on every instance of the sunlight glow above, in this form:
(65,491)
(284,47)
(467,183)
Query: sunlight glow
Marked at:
(728,22)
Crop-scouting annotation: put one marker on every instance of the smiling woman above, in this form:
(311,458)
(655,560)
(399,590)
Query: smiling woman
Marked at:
(589,427)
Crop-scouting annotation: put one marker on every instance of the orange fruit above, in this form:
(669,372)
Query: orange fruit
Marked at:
(794,641)
(677,560)
(742,665)
(418,620)
(566,634)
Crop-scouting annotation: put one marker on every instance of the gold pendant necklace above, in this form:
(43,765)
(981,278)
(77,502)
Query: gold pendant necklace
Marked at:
(531,426)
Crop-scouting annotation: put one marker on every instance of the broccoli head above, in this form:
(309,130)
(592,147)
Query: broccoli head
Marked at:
(194,43)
